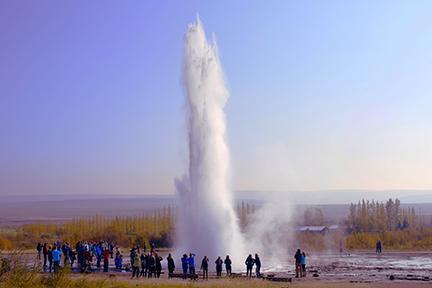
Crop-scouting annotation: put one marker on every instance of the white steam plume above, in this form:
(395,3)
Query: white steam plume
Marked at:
(207,224)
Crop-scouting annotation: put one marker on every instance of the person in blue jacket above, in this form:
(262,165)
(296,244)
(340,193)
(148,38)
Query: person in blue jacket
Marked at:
(118,261)
(303,264)
(191,263)
(98,254)
(56,254)
(184,261)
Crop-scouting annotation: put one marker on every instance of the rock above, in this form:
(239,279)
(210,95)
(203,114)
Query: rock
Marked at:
(279,279)
(413,277)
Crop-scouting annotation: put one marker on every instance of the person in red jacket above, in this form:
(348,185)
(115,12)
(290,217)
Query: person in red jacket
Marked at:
(106,256)
(45,254)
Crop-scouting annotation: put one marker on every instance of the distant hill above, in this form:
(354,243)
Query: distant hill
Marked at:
(334,204)
(340,196)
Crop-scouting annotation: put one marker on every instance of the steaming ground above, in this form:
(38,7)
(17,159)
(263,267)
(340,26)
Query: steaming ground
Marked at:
(269,232)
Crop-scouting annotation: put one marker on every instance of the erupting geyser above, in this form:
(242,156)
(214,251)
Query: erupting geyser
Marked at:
(207,223)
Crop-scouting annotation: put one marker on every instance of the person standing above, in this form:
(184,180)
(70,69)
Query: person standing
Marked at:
(88,259)
(39,250)
(151,265)
(158,265)
(45,255)
(135,266)
(379,247)
(50,259)
(79,248)
(219,263)
(204,267)
(171,266)
(143,259)
(98,254)
(106,257)
(118,261)
(303,264)
(111,250)
(249,265)
(228,265)
(184,261)
(257,265)
(132,254)
(56,255)
(191,263)
(65,249)
(297,258)
(72,257)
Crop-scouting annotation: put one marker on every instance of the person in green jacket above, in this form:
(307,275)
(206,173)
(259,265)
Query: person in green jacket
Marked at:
(136,262)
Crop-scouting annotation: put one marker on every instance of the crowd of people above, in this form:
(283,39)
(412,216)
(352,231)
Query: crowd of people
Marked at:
(90,256)
(150,265)
(147,265)
(85,254)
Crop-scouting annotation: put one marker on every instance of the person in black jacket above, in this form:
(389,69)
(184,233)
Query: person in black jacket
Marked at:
(72,257)
(204,267)
(171,266)
(158,265)
(143,259)
(185,266)
(50,259)
(39,250)
(249,265)
(297,258)
(257,266)
(151,265)
(228,265)
(218,263)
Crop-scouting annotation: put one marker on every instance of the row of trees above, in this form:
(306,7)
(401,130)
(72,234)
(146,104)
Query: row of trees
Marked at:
(244,213)
(408,239)
(313,216)
(367,221)
(366,216)
(156,227)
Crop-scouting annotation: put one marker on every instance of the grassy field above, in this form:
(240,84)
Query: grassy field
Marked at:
(21,276)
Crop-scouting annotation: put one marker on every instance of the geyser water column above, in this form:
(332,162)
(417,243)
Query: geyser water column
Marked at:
(207,223)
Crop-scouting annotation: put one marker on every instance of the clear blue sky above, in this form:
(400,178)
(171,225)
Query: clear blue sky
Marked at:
(324,94)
